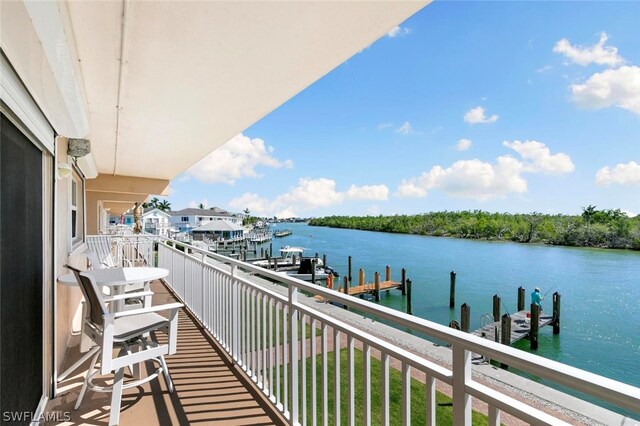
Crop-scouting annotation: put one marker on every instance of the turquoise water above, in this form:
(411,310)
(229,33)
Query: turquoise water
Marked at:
(600,330)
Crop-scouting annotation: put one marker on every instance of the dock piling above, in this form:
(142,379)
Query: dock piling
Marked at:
(496,307)
(313,271)
(330,281)
(535,324)
(387,274)
(324,260)
(452,290)
(377,286)
(520,298)
(556,313)
(346,290)
(275,263)
(270,249)
(404,282)
(409,307)
(261,252)
(505,333)
(465,317)
(361,277)
(293,260)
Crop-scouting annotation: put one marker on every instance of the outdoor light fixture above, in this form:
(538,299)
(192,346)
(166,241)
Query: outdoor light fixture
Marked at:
(64,171)
(78,147)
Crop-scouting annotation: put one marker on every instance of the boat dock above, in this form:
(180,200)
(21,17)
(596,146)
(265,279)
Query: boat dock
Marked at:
(520,327)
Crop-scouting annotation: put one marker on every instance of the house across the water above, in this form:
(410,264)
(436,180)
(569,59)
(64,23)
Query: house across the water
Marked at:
(218,229)
(188,219)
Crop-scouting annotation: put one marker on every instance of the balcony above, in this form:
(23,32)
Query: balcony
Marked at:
(246,331)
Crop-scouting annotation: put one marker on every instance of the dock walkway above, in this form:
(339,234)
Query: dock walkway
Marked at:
(520,327)
(360,290)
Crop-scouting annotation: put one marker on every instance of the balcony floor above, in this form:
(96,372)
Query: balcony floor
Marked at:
(208,388)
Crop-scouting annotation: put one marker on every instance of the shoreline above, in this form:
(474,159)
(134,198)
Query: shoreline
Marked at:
(486,240)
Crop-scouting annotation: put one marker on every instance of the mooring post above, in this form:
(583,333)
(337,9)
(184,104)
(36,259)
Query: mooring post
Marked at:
(330,281)
(346,285)
(496,307)
(324,260)
(452,291)
(275,263)
(387,273)
(261,252)
(313,271)
(270,249)
(465,317)
(403,281)
(409,307)
(293,260)
(349,274)
(316,256)
(361,277)
(377,286)
(244,255)
(556,313)
(520,298)
(505,333)
(535,325)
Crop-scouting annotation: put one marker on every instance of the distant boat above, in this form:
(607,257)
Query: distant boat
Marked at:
(282,233)
(304,272)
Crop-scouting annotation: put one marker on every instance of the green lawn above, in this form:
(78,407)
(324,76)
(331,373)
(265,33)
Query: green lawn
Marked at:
(444,407)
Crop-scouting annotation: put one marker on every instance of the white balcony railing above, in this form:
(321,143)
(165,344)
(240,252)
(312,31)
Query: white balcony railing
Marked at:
(263,330)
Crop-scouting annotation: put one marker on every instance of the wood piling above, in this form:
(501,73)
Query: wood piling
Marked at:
(452,290)
(349,276)
(346,290)
(361,277)
(261,252)
(535,325)
(404,282)
(556,313)
(520,298)
(313,271)
(376,293)
(505,334)
(293,260)
(387,273)
(330,281)
(465,317)
(275,263)
(496,307)
(409,307)
(324,260)
(270,249)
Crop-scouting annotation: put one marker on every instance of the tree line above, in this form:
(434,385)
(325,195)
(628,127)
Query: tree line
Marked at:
(593,228)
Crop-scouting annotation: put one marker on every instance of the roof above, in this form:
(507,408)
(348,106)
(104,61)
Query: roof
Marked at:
(151,209)
(214,211)
(218,225)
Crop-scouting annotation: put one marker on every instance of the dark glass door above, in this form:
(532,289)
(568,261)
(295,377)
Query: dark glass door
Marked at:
(20,271)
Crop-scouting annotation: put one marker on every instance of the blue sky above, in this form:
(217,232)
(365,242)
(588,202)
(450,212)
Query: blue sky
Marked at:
(500,106)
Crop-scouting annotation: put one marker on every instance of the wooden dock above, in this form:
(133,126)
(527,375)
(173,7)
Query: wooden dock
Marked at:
(520,327)
(360,290)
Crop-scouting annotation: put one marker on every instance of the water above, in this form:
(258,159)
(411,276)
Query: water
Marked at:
(600,329)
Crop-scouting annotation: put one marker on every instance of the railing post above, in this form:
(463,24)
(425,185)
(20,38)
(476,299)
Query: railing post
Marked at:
(293,355)
(461,375)
(235,314)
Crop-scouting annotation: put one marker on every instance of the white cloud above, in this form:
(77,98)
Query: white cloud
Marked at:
(629,213)
(615,87)
(585,55)
(398,31)
(383,126)
(540,159)
(483,180)
(236,159)
(368,192)
(544,69)
(405,129)
(477,115)
(307,195)
(463,144)
(621,174)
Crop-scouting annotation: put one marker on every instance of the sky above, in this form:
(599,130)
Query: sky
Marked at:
(500,106)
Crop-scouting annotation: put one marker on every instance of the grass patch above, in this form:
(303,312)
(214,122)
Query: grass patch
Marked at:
(444,404)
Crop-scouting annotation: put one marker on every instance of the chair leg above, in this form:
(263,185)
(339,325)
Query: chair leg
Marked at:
(116,397)
(86,380)
(165,372)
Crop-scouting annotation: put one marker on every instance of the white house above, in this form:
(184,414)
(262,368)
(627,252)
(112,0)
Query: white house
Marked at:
(218,229)
(154,221)
(191,218)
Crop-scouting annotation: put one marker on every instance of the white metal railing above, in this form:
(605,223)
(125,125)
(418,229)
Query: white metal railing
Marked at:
(268,333)
(133,250)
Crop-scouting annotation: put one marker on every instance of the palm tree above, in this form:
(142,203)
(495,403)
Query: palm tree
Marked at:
(164,205)
(201,206)
(588,213)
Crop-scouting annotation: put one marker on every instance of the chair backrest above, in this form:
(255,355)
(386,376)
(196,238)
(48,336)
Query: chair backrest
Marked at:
(101,247)
(96,307)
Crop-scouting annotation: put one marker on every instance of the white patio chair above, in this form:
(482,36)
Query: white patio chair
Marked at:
(130,332)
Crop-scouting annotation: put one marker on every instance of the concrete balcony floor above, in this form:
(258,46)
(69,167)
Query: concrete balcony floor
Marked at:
(209,389)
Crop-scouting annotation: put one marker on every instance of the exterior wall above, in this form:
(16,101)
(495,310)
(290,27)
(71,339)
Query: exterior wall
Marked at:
(67,298)
(197,220)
